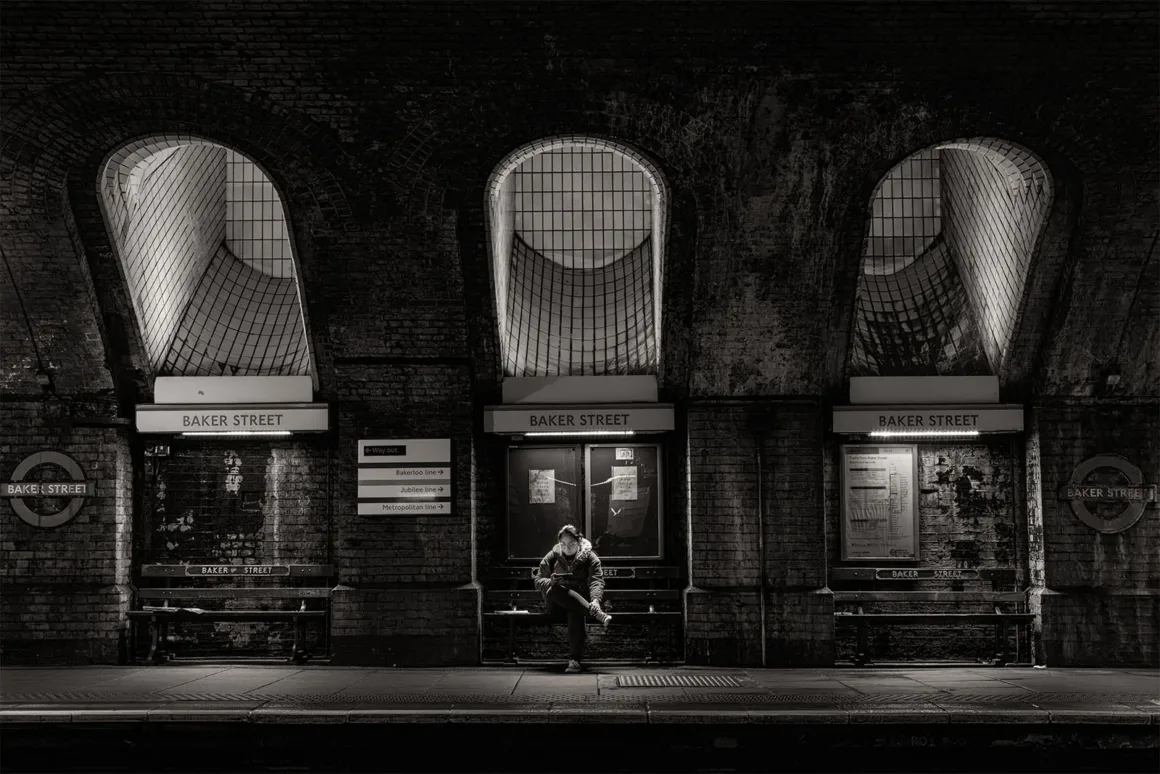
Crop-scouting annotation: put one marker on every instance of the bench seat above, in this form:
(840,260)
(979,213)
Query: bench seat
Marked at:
(648,591)
(169,612)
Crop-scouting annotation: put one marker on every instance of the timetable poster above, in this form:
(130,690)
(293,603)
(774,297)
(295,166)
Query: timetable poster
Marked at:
(879,502)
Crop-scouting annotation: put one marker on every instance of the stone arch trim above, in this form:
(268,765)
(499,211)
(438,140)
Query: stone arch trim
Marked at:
(51,150)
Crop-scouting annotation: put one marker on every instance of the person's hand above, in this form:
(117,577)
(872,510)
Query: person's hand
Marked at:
(594,608)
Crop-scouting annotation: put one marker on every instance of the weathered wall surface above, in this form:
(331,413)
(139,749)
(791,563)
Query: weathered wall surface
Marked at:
(64,592)
(971,515)
(1102,599)
(771,123)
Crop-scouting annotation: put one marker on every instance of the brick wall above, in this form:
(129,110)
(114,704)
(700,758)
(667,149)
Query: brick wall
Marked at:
(971,514)
(1102,600)
(406,591)
(64,591)
(234,502)
(730,525)
(772,126)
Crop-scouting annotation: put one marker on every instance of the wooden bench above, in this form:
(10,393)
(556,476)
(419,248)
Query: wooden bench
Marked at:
(1003,605)
(303,582)
(647,594)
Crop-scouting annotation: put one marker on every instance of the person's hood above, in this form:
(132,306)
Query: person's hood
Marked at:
(585,549)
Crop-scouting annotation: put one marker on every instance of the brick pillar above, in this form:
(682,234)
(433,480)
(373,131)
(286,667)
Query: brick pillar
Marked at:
(755,478)
(1100,605)
(406,594)
(65,590)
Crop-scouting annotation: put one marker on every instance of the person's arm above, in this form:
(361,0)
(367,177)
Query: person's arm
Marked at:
(544,579)
(595,581)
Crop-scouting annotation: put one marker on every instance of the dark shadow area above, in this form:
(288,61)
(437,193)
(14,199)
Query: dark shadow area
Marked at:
(564,747)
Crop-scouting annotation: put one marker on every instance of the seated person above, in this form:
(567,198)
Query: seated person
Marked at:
(572,583)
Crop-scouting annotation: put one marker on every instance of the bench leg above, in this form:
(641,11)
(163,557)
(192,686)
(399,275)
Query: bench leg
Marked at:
(511,648)
(862,652)
(650,656)
(1001,655)
(156,640)
(299,654)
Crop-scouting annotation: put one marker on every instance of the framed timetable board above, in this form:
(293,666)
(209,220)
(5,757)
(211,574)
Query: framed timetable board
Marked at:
(879,502)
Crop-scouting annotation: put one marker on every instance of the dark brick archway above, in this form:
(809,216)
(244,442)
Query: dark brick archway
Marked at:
(51,153)
(444,166)
(1050,262)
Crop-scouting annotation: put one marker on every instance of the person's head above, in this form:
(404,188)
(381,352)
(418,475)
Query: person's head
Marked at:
(569,538)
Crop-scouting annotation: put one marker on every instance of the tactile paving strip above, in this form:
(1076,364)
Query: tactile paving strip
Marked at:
(677,681)
(839,699)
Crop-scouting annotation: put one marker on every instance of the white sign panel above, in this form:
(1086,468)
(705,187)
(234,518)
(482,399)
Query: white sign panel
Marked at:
(578,419)
(542,487)
(623,483)
(879,502)
(401,509)
(404,476)
(998,419)
(234,419)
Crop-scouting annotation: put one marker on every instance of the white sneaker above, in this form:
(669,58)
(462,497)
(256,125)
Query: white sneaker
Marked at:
(604,619)
(573,667)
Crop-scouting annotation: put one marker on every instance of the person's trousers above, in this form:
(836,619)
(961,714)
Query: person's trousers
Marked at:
(561,602)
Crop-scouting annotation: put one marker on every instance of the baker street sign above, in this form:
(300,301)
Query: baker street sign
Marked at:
(1108,493)
(47,503)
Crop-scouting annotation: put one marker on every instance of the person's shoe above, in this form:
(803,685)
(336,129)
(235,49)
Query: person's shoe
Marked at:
(573,667)
(604,618)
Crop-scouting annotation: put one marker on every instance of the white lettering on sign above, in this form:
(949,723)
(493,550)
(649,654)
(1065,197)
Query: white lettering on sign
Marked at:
(904,573)
(32,489)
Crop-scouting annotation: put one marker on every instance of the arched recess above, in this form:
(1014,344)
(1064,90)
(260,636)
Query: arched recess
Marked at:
(953,230)
(53,145)
(577,231)
(201,235)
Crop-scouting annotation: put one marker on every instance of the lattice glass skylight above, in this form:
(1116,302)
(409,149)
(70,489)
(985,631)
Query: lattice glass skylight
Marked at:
(202,238)
(951,235)
(577,231)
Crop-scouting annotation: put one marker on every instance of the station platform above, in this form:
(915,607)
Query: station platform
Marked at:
(193,717)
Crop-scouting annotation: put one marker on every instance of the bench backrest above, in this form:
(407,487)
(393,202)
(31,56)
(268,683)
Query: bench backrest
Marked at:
(894,575)
(172,571)
(615,574)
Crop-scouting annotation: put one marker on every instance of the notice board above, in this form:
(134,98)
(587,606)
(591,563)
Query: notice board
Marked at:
(879,502)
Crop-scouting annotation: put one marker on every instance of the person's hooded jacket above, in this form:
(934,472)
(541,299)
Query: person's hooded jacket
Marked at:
(587,576)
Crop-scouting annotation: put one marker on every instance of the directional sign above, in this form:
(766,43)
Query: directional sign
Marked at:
(373,508)
(407,491)
(409,476)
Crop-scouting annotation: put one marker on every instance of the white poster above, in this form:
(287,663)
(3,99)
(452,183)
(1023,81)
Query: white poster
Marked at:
(623,482)
(880,508)
(624,454)
(542,487)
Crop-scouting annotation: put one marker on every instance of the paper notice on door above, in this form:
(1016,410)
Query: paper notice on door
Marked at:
(623,482)
(542,487)
(624,454)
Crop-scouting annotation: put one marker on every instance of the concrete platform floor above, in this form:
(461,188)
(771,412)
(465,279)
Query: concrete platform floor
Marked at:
(319,718)
(1123,696)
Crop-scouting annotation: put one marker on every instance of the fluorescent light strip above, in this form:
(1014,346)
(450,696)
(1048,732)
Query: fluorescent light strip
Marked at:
(924,433)
(237,432)
(582,432)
